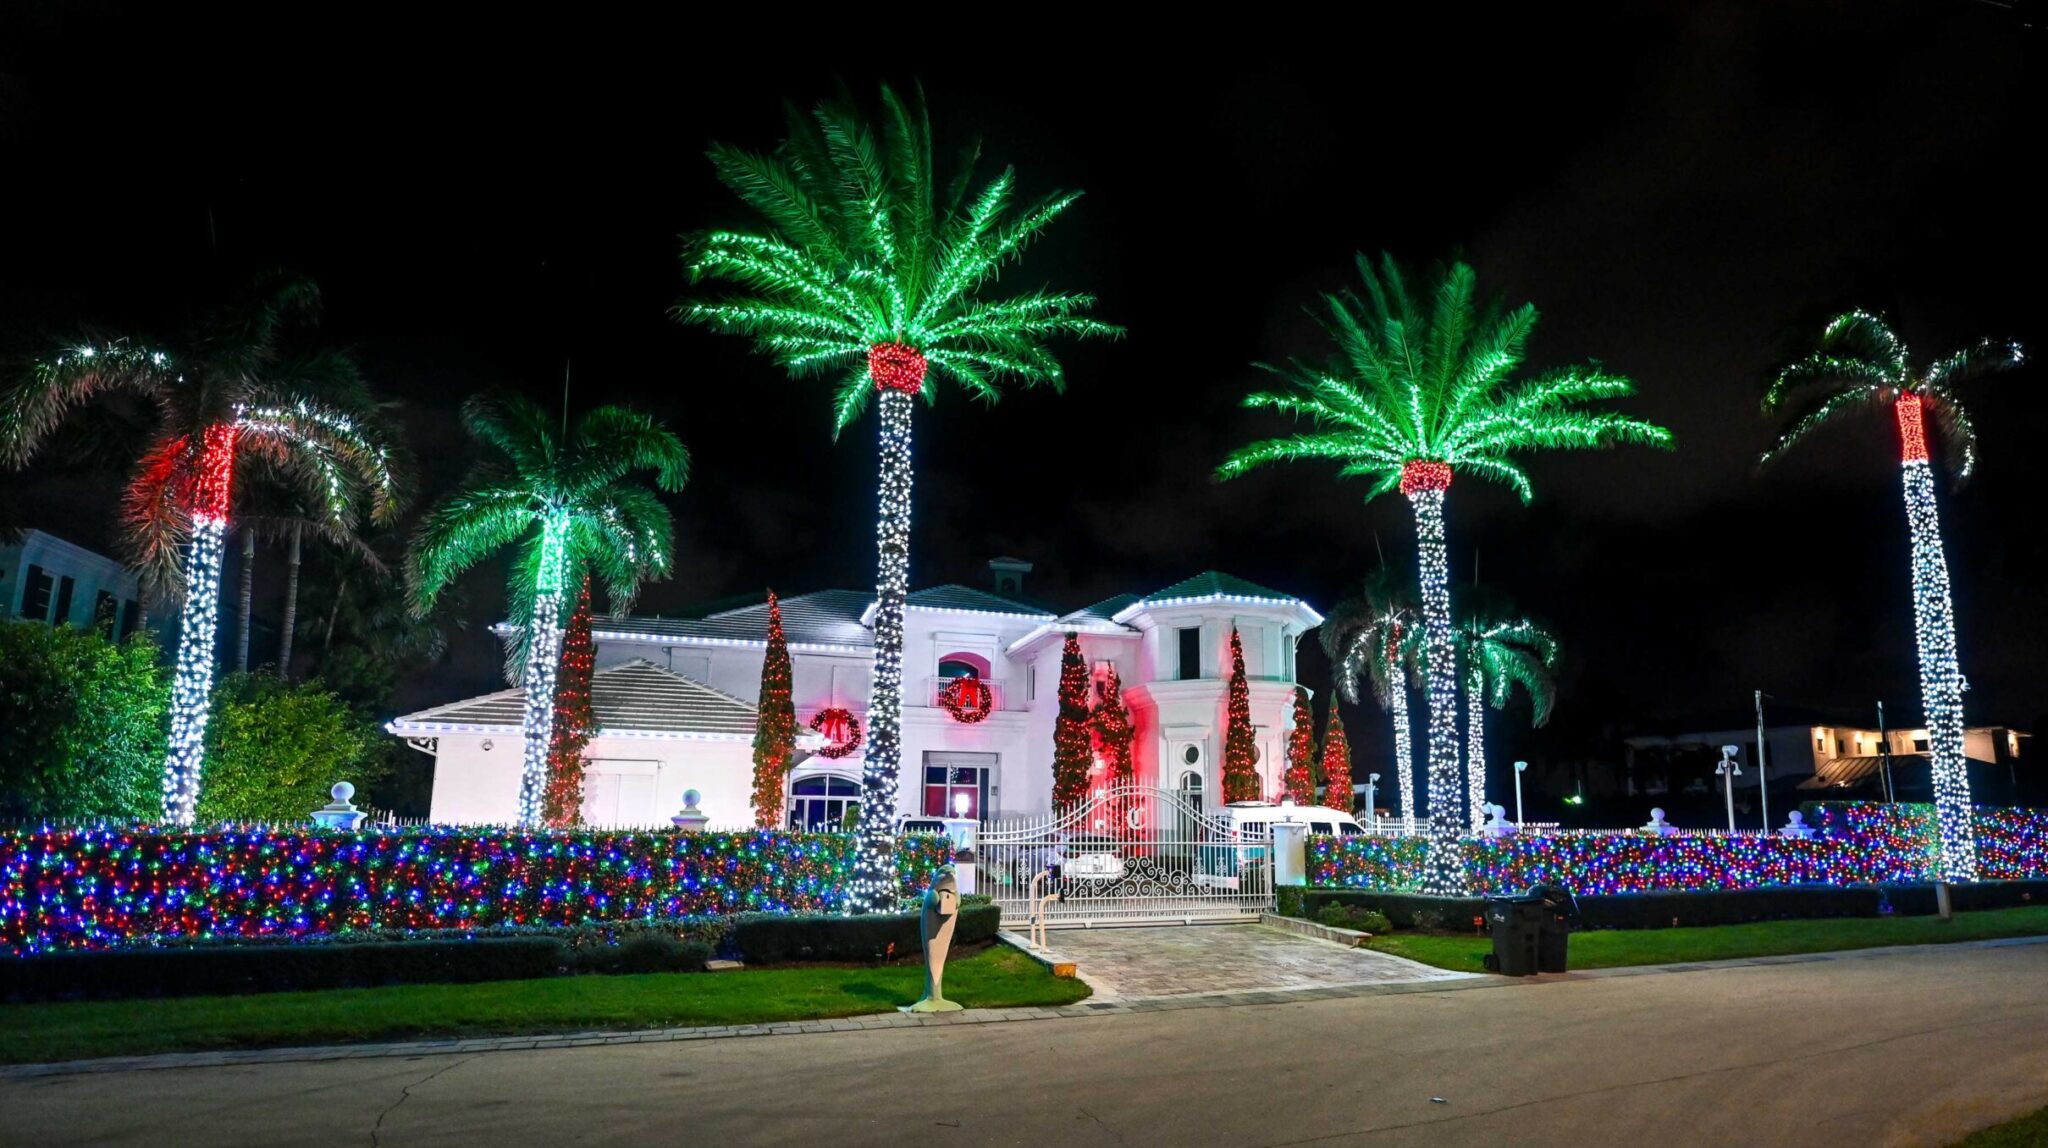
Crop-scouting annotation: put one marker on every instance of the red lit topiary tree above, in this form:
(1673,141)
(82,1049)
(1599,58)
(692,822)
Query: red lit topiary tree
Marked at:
(775,730)
(1113,731)
(1072,750)
(1301,752)
(1336,760)
(1240,756)
(562,801)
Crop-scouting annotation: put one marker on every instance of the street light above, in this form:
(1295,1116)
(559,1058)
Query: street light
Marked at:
(1729,770)
(1521,767)
(1372,805)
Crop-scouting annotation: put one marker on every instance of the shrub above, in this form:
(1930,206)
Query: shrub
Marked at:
(766,939)
(1354,917)
(1287,902)
(269,968)
(275,748)
(84,724)
(647,952)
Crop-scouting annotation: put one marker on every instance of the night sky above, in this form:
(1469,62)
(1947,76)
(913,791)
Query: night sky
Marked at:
(1685,191)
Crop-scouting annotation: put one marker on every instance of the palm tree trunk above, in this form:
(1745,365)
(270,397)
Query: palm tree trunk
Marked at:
(874,886)
(1443,871)
(242,600)
(1941,680)
(543,655)
(333,612)
(192,685)
(1475,740)
(291,603)
(1404,745)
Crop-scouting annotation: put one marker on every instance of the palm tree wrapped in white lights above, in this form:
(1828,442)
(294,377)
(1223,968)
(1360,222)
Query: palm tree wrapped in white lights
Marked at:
(1371,639)
(1861,364)
(1499,651)
(1423,387)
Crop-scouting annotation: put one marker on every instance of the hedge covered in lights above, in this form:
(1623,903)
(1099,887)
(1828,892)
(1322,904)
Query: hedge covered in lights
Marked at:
(1858,844)
(64,889)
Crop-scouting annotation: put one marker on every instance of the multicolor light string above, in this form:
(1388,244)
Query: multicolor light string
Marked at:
(96,889)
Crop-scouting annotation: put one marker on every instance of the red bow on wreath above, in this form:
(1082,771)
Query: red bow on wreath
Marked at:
(841,730)
(967,698)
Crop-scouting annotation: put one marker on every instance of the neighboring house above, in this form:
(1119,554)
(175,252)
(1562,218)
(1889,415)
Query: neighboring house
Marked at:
(1657,763)
(1170,648)
(44,578)
(1850,758)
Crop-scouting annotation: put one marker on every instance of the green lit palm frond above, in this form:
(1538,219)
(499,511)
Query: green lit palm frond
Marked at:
(1373,638)
(535,471)
(1431,374)
(1862,364)
(1508,650)
(862,246)
(306,419)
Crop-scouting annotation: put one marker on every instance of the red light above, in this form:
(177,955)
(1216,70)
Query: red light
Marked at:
(1912,428)
(1423,474)
(896,367)
(216,471)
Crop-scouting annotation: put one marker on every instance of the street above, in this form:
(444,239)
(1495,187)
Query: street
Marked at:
(1897,1048)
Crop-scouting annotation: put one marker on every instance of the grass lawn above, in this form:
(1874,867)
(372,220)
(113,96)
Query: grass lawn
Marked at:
(2026,1132)
(1609,948)
(997,977)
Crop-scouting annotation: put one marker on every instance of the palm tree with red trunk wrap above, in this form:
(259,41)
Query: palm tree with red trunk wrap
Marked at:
(869,267)
(1862,363)
(1423,388)
(236,401)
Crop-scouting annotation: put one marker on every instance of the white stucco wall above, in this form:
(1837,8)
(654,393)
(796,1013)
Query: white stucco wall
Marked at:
(474,785)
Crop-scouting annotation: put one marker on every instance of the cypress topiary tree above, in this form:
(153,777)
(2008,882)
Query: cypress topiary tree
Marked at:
(1336,760)
(562,804)
(1301,751)
(1114,732)
(1240,756)
(1072,749)
(775,733)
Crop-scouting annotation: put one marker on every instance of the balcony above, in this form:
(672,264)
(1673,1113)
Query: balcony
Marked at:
(1000,697)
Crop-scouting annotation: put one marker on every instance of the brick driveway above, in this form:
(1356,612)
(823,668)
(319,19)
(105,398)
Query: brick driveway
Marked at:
(1176,960)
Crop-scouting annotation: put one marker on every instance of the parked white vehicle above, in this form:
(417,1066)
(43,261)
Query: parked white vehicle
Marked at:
(1259,816)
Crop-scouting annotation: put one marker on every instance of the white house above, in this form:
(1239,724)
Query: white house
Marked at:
(675,701)
(47,579)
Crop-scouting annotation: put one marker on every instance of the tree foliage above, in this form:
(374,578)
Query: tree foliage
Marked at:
(575,721)
(1300,779)
(775,733)
(1240,751)
(864,246)
(1071,746)
(275,748)
(1337,792)
(82,719)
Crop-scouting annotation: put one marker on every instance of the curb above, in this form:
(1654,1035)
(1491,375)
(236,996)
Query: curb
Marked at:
(1349,938)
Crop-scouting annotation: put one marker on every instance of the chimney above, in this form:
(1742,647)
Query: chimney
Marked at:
(1009,574)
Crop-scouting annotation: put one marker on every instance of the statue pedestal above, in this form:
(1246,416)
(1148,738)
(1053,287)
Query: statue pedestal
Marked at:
(929,1005)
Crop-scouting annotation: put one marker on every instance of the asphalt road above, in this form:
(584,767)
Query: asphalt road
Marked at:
(1914,1047)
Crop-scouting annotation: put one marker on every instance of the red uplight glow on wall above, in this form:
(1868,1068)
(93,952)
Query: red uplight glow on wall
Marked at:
(896,367)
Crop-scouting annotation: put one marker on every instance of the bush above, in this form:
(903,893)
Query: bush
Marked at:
(1402,910)
(84,724)
(1354,917)
(1287,902)
(1920,901)
(767,939)
(275,748)
(647,952)
(222,969)
(1626,910)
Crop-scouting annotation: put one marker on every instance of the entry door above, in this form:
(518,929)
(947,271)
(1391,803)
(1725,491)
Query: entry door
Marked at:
(618,793)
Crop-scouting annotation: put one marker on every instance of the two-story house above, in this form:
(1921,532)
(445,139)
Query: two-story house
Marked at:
(674,701)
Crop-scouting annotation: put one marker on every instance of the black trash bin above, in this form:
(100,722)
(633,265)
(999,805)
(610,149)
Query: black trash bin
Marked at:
(1558,913)
(1517,926)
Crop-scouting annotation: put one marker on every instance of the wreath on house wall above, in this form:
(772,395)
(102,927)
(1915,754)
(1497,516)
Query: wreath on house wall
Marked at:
(967,698)
(841,730)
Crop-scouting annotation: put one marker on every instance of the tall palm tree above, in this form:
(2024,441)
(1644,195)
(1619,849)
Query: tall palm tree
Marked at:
(1372,636)
(1861,364)
(1423,387)
(866,266)
(234,402)
(1499,651)
(562,492)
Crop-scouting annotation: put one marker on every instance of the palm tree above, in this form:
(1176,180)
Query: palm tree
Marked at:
(1499,651)
(1372,635)
(1861,363)
(562,492)
(233,403)
(868,267)
(1422,388)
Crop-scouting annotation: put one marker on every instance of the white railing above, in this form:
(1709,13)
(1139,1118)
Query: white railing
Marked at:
(999,692)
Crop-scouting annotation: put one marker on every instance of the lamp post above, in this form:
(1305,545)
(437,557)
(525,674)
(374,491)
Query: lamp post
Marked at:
(1372,807)
(1729,771)
(1763,765)
(1521,767)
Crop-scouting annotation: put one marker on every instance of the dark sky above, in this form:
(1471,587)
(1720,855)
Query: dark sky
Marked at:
(1684,190)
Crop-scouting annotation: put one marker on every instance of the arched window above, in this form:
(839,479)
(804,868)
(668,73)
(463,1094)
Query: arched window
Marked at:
(961,664)
(819,803)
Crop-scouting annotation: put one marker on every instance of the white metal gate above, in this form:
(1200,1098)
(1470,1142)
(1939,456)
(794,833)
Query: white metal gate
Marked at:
(1134,854)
